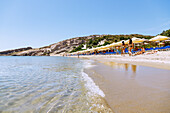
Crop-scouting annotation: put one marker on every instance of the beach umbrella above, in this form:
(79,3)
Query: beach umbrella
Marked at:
(104,47)
(161,43)
(97,48)
(126,41)
(157,41)
(86,51)
(167,40)
(146,43)
(100,47)
(145,39)
(107,46)
(137,45)
(119,43)
(81,52)
(159,38)
(113,44)
(116,44)
(75,53)
(137,40)
(92,50)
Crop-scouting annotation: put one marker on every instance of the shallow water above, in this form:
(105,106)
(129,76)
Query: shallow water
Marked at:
(47,84)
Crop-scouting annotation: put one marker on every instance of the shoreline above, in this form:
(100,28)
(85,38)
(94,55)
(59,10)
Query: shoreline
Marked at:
(130,91)
(133,84)
(158,60)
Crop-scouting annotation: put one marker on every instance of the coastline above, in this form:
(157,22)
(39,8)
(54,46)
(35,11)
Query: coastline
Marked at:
(130,86)
(158,60)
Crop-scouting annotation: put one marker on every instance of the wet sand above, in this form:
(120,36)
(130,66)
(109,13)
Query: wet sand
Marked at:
(158,60)
(132,88)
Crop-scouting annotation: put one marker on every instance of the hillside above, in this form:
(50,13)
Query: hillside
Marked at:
(166,33)
(74,44)
(70,45)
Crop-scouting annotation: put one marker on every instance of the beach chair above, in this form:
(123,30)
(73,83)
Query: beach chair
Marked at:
(167,48)
(148,49)
(106,53)
(110,53)
(113,52)
(156,48)
(162,48)
(133,51)
(126,50)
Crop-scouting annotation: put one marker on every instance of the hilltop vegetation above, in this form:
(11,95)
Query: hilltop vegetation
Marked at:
(166,33)
(94,42)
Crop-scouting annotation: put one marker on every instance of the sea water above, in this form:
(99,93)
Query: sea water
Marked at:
(48,84)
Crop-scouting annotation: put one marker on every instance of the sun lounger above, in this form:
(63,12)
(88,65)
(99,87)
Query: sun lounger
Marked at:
(149,49)
(167,48)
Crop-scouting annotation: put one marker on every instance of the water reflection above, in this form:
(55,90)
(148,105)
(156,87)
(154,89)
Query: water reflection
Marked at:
(133,68)
(123,66)
(126,67)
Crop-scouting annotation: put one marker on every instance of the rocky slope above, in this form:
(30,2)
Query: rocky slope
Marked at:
(53,49)
(14,51)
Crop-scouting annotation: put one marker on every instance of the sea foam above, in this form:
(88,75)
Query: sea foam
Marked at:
(90,84)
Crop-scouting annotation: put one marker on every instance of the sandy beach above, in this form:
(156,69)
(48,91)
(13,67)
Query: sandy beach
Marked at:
(133,84)
(161,59)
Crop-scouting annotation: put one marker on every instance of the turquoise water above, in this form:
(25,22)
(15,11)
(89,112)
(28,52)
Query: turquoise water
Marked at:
(45,84)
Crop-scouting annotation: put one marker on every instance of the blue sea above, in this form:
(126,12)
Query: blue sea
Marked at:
(48,85)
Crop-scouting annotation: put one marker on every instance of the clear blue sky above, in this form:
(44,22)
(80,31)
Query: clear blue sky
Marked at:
(38,23)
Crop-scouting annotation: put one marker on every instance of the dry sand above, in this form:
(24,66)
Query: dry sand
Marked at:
(130,86)
(158,60)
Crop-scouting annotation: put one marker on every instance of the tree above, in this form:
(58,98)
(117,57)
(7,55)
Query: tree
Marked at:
(122,38)
(90,41)
(106,43)
(166,33)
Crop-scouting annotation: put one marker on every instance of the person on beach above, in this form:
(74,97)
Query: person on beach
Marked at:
(143,50)
(146,53)
(136,48)
(78,55)
(123,48)
(130,45)
(152,52)
(117,50)
(140,52)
